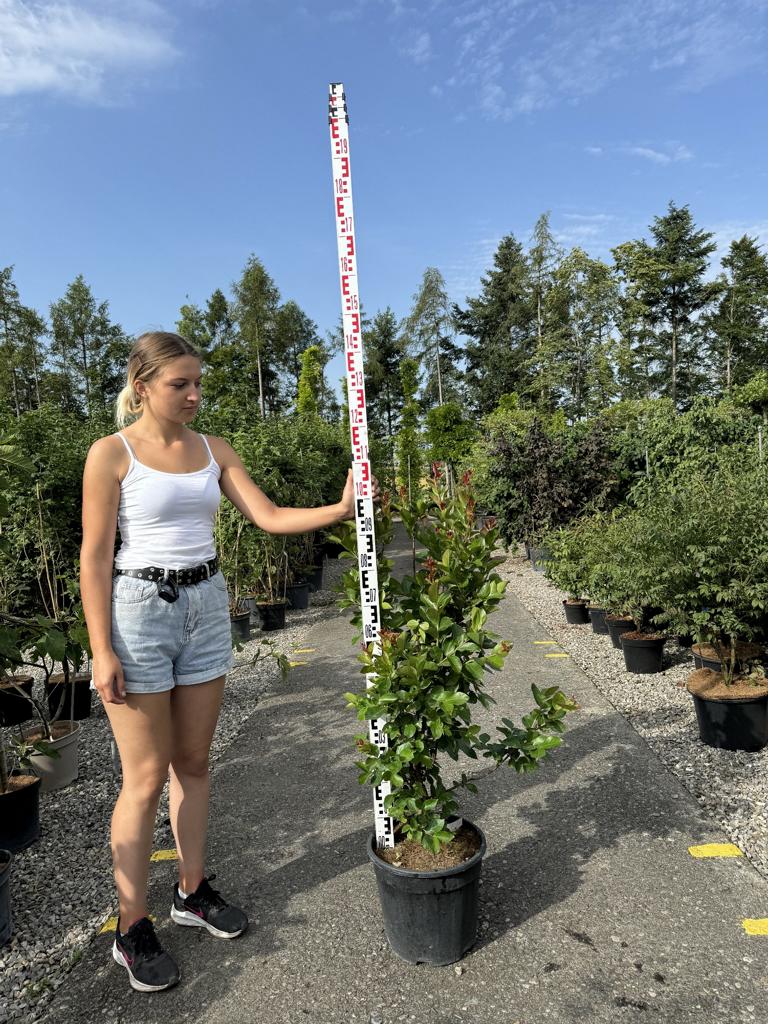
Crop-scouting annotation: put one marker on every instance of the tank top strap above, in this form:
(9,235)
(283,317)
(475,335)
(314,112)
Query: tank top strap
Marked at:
(131,455)
(205,442)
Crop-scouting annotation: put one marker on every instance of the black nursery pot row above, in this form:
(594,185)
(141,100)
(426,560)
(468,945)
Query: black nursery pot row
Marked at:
(735,723)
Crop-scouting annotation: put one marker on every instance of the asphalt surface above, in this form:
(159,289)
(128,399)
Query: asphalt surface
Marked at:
(592,907)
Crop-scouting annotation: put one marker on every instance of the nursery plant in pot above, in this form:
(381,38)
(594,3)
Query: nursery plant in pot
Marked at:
(52,746)
(638,586)
(436,650)
(19,786)
(273,580)
(567,569)
(228,532)
(717,580)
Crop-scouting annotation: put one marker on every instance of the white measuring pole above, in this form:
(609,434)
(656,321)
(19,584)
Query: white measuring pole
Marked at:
(358,418)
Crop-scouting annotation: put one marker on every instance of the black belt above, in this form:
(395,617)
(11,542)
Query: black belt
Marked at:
(172,579)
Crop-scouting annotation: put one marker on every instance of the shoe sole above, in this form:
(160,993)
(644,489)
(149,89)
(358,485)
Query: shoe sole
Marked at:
(190,920)
(140,986)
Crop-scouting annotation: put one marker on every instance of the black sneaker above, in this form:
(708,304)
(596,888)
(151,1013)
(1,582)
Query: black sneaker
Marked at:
(149,967)
(205,908)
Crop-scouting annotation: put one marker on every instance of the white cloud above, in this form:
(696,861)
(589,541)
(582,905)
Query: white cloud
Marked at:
(418,48)
(521,56)
(672,152)
(594,150)
(76,49)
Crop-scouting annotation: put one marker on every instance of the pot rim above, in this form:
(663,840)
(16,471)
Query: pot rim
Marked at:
(762,697)
(440,873)
(75,728)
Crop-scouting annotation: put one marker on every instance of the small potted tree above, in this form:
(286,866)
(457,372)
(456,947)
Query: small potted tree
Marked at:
(425,678)
(567,569)
(725,600)
(19,786)
(273,580)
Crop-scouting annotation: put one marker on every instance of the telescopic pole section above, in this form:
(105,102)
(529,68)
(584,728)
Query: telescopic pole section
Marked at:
(358,418)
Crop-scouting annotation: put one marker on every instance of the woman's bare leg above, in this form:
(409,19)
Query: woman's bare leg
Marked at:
(194,713)
(142,730)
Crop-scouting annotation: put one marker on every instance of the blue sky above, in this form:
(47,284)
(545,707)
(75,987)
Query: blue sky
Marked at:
(152,146)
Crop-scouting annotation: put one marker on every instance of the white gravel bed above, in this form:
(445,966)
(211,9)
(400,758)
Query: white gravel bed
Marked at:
(62,889)
(730,786)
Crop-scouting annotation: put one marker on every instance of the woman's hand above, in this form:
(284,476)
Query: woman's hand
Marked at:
(347,503)
(108,678)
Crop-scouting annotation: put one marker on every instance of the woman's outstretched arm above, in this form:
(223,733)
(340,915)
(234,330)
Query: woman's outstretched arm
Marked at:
(237,485)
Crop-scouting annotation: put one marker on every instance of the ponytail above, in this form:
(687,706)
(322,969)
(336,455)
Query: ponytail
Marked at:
(127,406)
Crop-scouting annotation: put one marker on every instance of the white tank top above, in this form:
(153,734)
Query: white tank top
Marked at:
(166,519)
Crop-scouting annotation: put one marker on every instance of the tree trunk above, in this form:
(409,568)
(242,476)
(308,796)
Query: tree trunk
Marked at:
(85,377)
(439,374)
(261,384)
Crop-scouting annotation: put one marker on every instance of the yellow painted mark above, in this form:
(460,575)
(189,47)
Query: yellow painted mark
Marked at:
(539,643)
(715,850)
(111,923)
(557,655)
(164,855)
(305,650)
(293,664)
(755,925)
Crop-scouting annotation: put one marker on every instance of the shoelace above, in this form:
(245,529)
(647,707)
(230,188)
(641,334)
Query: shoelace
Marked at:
(145,941)
(209,896)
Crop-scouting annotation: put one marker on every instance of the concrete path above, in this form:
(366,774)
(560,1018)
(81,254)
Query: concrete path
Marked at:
(592,908)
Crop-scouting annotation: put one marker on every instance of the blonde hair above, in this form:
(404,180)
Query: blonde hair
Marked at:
(150,353)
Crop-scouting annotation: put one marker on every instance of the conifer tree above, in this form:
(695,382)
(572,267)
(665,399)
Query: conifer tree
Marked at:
(383,355)
(739,327)
(88,350)
(428,333)
(679,299)
(500,327)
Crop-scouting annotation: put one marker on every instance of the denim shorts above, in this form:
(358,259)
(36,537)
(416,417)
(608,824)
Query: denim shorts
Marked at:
(162,645)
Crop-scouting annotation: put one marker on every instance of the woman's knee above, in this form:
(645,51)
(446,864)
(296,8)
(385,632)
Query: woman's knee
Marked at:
(190,764)
(145,786)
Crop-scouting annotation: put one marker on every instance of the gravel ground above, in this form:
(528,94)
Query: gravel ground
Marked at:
(729,785)
(61,887)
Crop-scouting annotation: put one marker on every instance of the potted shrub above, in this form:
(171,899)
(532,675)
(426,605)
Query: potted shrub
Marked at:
(425,678)
(567,569)
(228,532)
(52,748)
(273,580)
(716,583)
(19,786)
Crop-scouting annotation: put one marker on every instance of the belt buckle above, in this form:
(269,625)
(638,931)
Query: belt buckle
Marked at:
(167,588)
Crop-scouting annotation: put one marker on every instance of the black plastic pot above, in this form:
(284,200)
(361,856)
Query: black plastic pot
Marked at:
(241,626)
(738,723)
(430,917)
(616,627)
(597,618)
(716,664)
(314,576)
(331,549)
(57,689)
(6,920)
(15,709)
(685,639)
(272,616)
(576,614)
(20,817)
(298,595)
(643,656)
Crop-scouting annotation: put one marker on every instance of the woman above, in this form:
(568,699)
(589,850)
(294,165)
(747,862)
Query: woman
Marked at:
(158,621)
